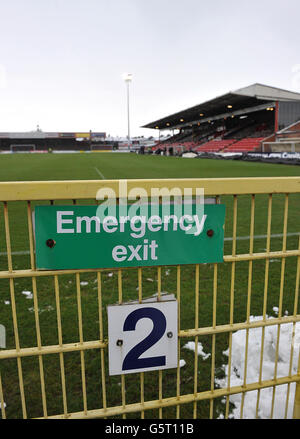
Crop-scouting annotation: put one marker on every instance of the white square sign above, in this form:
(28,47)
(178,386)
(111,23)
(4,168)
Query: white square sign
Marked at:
(142,337)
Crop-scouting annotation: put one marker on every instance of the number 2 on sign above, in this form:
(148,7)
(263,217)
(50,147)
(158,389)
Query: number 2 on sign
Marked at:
(132,359)
(142,336)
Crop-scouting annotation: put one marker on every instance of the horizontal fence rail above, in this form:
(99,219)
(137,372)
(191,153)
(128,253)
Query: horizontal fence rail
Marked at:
(216,303)
(83,189)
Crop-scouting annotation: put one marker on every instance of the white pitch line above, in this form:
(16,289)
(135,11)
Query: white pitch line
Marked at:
(99,173)
(238,238)
(275,235)
(23,252)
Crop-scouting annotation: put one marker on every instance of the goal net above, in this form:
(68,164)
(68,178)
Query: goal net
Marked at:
(22,147)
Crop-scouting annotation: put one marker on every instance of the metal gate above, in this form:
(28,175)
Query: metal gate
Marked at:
(54,364)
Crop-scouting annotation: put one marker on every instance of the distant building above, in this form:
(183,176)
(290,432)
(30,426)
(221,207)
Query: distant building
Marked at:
(43,141)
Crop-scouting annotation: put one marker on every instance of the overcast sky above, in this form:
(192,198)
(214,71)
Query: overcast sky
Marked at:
(61,61)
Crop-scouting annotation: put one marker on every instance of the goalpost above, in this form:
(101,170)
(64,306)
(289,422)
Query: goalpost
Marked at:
(22,147)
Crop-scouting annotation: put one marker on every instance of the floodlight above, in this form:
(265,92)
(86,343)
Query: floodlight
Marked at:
(127,77)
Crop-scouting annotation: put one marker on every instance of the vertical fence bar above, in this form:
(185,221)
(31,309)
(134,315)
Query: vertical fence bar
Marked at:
(213,350)
(36,308)
(196,338)
(100,313)
(2,403)
(296,413)
(120,299)
(14,310)
(140,286)
(79,311)
(60,342)
(178,275)
(293,331)
(160,371)
(266,284)
(296,410)
(286,206)
(231,300)
(248,299)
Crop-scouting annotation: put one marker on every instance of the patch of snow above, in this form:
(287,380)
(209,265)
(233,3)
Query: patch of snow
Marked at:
(28,294)
(192,346)
(41,310)
(286,340)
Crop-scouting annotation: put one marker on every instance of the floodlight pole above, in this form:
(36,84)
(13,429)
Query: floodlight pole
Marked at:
(128,79)
(128,117)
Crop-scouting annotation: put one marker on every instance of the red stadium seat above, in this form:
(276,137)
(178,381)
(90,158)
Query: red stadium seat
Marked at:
(215,145)
(245,145)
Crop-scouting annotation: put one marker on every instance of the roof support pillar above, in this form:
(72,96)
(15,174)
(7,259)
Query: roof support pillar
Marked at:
(276,116)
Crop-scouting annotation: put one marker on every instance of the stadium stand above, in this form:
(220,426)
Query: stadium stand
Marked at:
(216,138)
(235,122)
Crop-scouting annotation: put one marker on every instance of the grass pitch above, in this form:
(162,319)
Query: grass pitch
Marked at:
(30,167)
(26,167)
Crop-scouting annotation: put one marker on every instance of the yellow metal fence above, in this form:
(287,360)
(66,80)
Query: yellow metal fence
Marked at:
(255,197)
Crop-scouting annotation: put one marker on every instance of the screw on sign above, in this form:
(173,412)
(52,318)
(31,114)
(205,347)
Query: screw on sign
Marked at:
(50,243)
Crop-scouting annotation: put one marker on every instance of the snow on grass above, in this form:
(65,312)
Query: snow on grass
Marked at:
(28,294)
(182,363)
(284,368)
(283,395)
(192,346)
(41,310)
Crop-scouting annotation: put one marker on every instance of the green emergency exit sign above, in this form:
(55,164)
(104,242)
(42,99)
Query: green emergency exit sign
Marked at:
(81,237)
